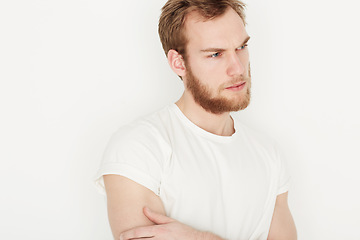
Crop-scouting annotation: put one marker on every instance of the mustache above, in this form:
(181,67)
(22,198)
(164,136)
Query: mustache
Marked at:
(239,79)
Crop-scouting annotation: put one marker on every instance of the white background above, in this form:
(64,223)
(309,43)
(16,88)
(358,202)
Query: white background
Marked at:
(73,71)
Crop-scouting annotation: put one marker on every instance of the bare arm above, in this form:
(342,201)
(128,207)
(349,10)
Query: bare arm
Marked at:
(282,225)
(126,200)
(166,228)
(129,220)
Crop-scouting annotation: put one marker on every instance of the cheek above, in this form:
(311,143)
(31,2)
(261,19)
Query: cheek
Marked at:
(215,71)
(207,69)
(244,57)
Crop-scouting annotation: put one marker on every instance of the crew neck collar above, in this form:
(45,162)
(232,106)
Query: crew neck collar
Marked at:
(198,130)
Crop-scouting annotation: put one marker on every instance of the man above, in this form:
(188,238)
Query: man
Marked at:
(192,170)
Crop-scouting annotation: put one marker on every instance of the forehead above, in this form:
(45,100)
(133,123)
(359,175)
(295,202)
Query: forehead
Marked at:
(223,31)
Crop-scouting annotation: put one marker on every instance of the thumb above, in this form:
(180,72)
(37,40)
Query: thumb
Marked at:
(156,218)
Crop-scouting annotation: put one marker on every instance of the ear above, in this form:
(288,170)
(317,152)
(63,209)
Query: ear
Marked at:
(176,62)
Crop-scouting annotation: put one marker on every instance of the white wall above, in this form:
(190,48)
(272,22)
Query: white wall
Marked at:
(73,71)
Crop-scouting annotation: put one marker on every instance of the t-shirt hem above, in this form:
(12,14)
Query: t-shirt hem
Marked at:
(284,188)
(127,171)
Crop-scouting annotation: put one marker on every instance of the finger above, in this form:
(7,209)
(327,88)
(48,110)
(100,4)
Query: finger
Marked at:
(139,232)
(157,217)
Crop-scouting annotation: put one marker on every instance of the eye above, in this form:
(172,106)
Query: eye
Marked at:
(242,47)
(215,55)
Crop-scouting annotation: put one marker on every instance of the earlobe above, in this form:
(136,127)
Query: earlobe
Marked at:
(176,62)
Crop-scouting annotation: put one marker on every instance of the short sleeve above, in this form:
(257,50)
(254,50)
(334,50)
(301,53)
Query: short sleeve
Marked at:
(284,176)
(137,152)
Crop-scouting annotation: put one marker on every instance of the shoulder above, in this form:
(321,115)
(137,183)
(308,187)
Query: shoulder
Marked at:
(138,151)
(259,142)
(255,137)
(268,149)
(149,131)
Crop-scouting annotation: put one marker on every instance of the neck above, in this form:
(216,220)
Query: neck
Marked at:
(219,124)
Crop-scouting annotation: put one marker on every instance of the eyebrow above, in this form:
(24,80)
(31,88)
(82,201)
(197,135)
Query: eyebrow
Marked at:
(221,49)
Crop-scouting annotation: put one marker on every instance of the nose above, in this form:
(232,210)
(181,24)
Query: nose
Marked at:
(235,66)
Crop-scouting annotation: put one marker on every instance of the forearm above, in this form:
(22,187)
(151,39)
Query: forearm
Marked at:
(166,228)
(208,236)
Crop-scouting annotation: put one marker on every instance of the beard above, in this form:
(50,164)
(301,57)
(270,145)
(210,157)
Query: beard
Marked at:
(218,104)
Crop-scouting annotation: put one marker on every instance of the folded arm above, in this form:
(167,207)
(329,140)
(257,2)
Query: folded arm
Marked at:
(129,219)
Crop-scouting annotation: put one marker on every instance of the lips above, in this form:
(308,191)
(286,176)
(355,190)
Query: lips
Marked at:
(237,85)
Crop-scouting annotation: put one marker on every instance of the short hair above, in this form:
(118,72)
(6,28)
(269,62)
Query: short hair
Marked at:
(174,13)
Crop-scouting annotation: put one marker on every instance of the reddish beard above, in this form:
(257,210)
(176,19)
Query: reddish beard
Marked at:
(217,105)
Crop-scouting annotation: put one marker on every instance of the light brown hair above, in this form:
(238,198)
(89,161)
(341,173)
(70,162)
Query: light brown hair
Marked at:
(173,16)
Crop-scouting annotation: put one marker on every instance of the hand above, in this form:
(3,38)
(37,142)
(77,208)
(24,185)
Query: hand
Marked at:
(165,228)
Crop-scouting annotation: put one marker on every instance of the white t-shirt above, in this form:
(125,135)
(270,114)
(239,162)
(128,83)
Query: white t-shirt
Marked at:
(223,184)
